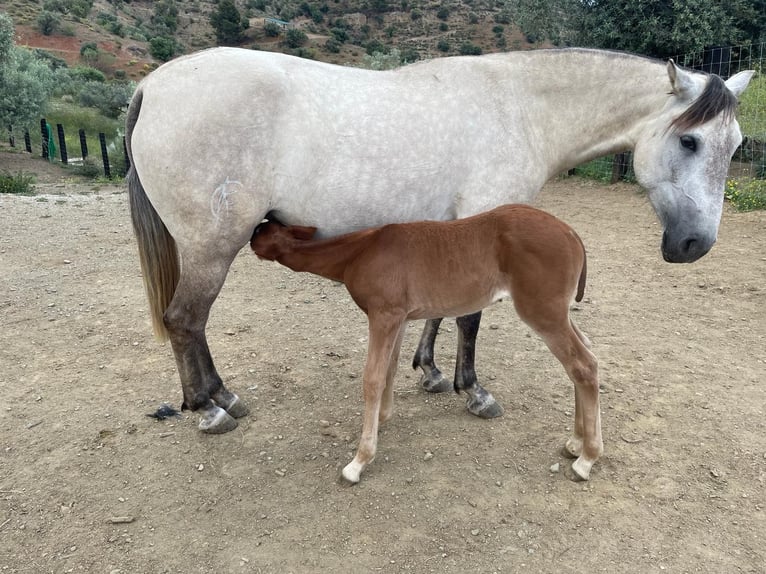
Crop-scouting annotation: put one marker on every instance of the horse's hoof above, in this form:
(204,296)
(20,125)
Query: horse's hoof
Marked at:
(581,470)
(572,448)
(217,421)
(238,408)
(352,472)
(487,410)
(435,383)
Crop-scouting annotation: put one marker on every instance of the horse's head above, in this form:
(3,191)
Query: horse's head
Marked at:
(271,239)
(682,158)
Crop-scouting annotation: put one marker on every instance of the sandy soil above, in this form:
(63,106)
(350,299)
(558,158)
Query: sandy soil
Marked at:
(89,483)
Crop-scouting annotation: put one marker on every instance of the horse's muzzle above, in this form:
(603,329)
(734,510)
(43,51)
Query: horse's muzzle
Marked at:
(685,247)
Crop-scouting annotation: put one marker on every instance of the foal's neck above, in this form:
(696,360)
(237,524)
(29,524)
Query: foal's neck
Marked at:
(326,257)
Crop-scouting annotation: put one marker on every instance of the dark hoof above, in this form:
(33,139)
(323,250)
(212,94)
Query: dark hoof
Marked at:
(238,409)
(435,383)
(488,409)
(217,421)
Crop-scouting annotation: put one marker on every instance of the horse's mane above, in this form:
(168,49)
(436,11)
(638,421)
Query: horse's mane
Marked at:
(715,99)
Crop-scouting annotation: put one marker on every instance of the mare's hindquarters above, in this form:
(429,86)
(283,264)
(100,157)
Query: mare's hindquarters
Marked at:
(180,296)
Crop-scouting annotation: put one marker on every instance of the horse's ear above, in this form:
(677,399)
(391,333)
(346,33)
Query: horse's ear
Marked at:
(738,82)
(682,82)
(302,233)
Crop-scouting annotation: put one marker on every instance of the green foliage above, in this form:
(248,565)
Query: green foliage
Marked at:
(227,23)
(110,99)
(26,83)
(272,29)
(48,22)
(746,194)
(750,111)
(20,183)
(381,61)
(442,13)
(295,38)
(469,49)
(89,52)
(165,17)
(162,48)
(443,45)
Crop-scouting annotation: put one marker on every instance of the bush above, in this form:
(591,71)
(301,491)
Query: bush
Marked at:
(162,48)
(470,49)
(272,29)
(442,45)
(295,38)
(746,195)
(48,22)
(21,183)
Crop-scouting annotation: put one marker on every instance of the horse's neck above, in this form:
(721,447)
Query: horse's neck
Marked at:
(326,257)
(585,104)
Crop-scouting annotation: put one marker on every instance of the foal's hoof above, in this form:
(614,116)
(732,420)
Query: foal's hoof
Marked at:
(581,470)
(435,382)
(486,410)
(217,421)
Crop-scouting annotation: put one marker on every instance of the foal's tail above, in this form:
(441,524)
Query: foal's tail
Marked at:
(156,247)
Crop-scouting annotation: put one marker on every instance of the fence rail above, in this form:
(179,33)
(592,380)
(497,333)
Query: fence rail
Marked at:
(53,144)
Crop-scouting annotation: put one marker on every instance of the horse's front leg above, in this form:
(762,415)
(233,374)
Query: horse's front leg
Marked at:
(385,333)
(480,402)
(185,319)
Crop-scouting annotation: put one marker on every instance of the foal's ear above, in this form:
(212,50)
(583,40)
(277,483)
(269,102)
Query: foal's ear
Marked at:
(301,232)
(682,82)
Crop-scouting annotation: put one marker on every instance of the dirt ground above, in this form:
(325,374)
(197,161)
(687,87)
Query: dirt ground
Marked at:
(89,483)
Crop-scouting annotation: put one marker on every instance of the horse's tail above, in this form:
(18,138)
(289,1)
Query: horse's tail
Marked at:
(583,272)
(156,247)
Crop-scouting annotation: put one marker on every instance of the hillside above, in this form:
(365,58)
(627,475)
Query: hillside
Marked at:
(338,31)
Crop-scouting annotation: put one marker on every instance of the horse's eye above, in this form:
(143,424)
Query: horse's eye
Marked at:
(688,142)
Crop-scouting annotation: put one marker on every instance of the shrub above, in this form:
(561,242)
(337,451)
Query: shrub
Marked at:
(470,49)
(162,48)
(48,22)
(442,45)
(21,183)
(295,38)
(746,195)
(272,29)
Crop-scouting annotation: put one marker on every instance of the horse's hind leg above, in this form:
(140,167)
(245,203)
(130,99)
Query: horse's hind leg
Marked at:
(432,379)
(186,317)
(480,402)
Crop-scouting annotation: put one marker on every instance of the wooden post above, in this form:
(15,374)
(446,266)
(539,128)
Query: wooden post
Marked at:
(44,134)
(62,144)
(27,141)
(83,144)
(11,139)
(104,155)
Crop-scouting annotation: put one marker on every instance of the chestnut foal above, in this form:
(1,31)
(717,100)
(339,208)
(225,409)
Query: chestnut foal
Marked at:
(395,273)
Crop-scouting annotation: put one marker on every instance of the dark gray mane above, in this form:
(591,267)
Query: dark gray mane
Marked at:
(715,99)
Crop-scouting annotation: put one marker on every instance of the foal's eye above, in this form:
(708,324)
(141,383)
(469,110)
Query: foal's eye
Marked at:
(688,142)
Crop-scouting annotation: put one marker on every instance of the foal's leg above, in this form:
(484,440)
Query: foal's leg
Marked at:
(387,403)
(582,367)
(432,379)
(385,332)
(480,402)
(185,318)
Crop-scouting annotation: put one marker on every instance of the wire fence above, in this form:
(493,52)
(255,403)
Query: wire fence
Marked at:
(749,161)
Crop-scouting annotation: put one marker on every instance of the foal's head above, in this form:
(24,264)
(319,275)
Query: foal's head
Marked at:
(272,239)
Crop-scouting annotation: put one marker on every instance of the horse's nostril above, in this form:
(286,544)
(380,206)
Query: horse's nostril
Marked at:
(688,245)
